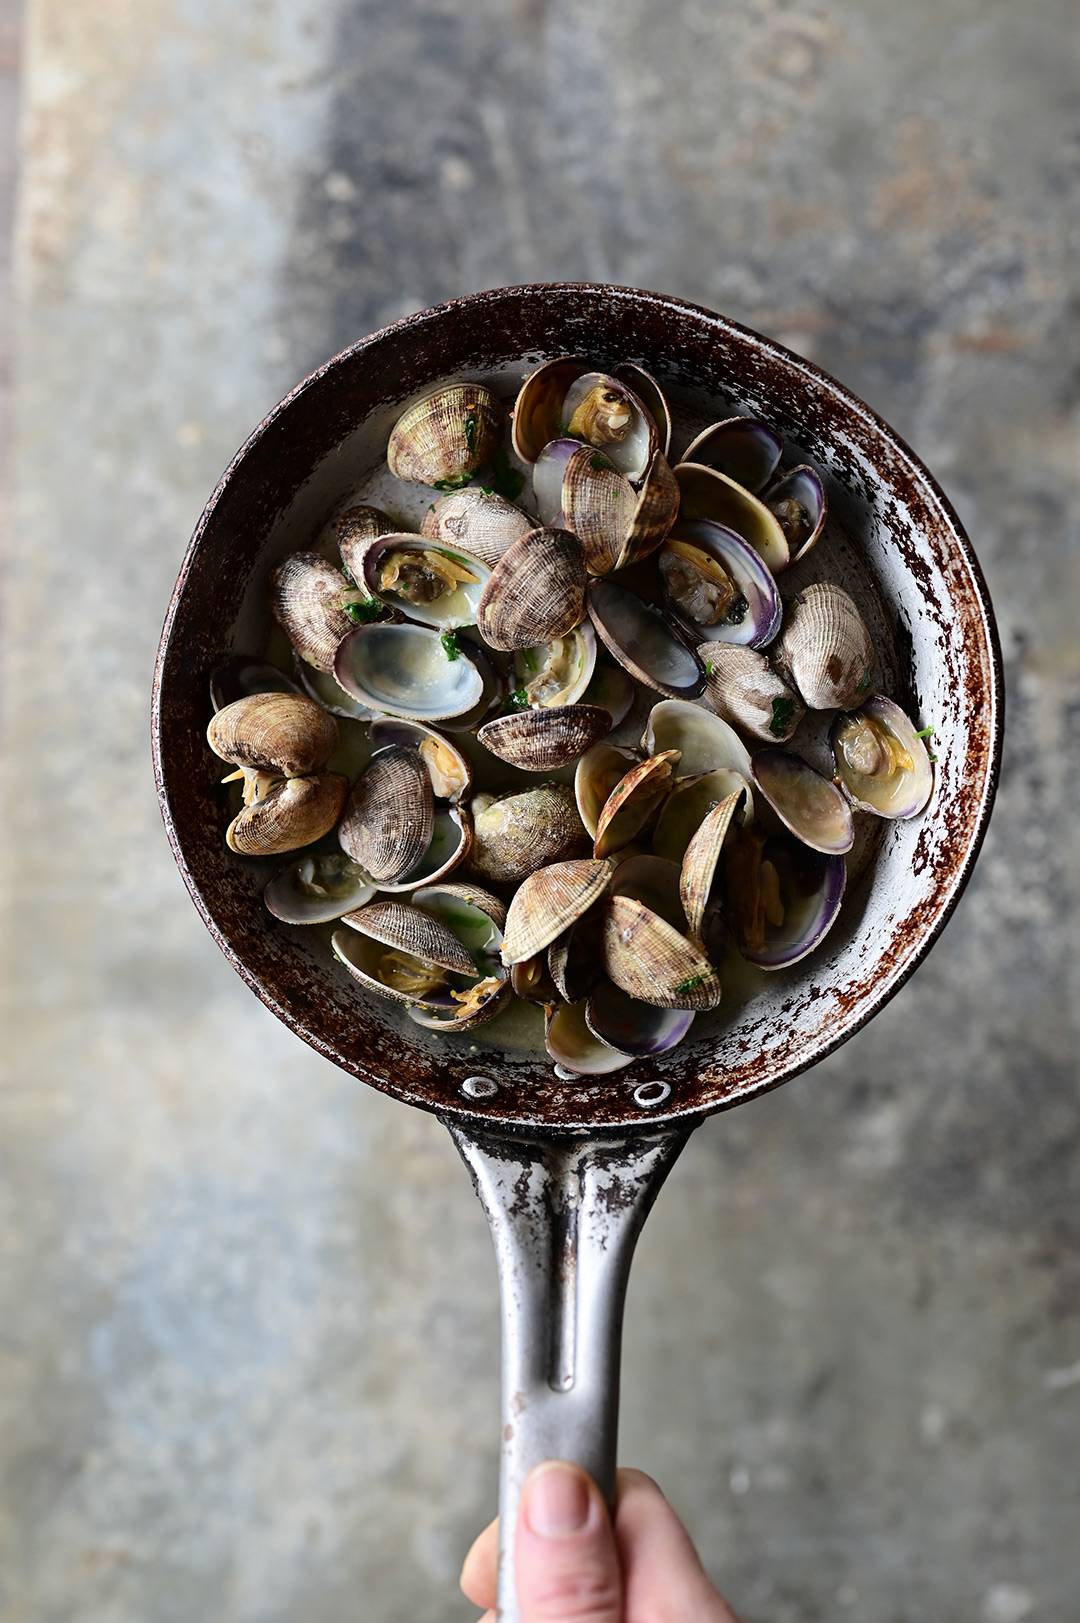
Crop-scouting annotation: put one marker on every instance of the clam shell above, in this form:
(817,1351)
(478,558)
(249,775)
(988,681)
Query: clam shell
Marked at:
(744,448)
(318,888)
(448,769)
(806,802)
(292,815)
(544,739)
(759,619)
(410,929)
(699,863)
(388,823)
(356,529)
(328,692)
(649,960)
(548,902)
(643,642)
(283,732)
(558,672)
(633,801)
(307,597)
(652,397)
(530,980)
(811,887)
(470,911)
(550,397)
(536,591)
(633,450)
(612,689)
(461,1017)
(598,503)
(478,520)
(632,1027)
(517,834)
(407,671)
(655,882)
(573,958)
(688,805)
(706,493)
(538,407)
(597,774)
(704,741)
(826,648)
(802,486)
(240,676)
(362,954)
(655,513)
(493,686)
(450,844)
(445,436)
(575,1048)
(743,688)
(901,792)
(451,609)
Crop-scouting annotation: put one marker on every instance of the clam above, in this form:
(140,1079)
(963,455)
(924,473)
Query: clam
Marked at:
(529,979)
(643,641)
(690,802)
(239,676)
(653,962)
(782,896)
(799,503)
(548,902)
(743,688)
(654,514)
(535,593)
(544,739)
(557,672)
(450,772)
(633,802)
(573,958)
(357,527)
(881,760)
(414,931)
(707,493)
(409,670)
(744,448)
(476,919)
(630,1026)
(285,733)
(407,954)
(701,858)
(290,815)
(308,597)
(444,437)
(583,490)
(652,397)
(317,888)
(826,648)
(575,1048)
(388,823)
(718,586)
(567,397)
(433,584)
(806,802)
(597,774)
(493,689)
(703,740)
(516,834)
(478,520)
(449,846)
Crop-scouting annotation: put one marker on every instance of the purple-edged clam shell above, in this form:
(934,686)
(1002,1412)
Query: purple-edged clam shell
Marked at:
(643,641)
(903,793)
(802,485)
(318,888)
(759,622)
(744,448)
(806,802)
(633,1027)
(548,480)
(575,1048)
(811,889)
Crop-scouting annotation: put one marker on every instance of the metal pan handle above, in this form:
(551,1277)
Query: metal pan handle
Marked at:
(565,1216)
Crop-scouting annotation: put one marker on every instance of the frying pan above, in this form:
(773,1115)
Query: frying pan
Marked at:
(566,1167)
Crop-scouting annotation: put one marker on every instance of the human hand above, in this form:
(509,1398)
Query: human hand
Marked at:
(574,1567)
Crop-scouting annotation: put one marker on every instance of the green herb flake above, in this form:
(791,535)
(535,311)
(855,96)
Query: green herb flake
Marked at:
(362,614)
(451,647)
(431,508)
(708,667)
(506,480)
(518,700)
(782,712)
(691,983)
(458,482)
(470,433)
(927,732)
(868,677)
(600,463)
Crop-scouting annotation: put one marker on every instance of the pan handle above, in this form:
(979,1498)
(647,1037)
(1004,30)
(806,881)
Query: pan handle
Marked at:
(565,1216)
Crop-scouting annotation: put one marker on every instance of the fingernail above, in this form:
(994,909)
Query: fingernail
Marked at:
(557,1502)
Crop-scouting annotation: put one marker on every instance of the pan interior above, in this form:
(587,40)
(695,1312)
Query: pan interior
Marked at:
(891,541)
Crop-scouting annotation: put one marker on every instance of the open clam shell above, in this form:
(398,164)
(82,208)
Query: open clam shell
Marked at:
(654,881)
(477,520)
(493,685)
(575,1048)
(327,691)
(549,901)
(239,676)
(282,732)
(445,436)
(654,513)
(389,819)
(652,397)
(568,397)
(318,888)
(573,958)
(707,493)
(744,448)
(413,930)
(293,814)
(799,502)
(702,857)
(826,648)
(544,739)
(517,834)
(597,773)
(476,918)
(612,689)
(653,962)
(807,803)
(407,670)
(426,581)
(643,641)
(881,761)
(357,527)
(802,889)
(531,981)
(582,489)
(632,1027)
(447,767)
(307,598)
(702,739)
(449,847)
(535,593)
(688,805)
(744,689)
(633,802)
(558,672)
(718,586)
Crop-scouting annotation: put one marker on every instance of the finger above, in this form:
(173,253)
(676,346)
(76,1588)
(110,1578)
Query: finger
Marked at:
(664,1579)
(480,1568)
(564,1551)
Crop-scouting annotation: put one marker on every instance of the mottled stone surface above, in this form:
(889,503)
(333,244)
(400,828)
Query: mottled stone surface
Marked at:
(248,1360)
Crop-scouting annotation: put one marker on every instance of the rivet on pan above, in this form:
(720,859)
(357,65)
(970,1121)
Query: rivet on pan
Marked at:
(479,1087)
(650,1094)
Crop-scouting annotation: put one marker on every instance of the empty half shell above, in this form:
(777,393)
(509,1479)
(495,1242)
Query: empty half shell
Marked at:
(744,448)
(707,493)
(317,888)
(632,1027)
(808,804)
(704,741)
(408,670)
(575,1048)
(643,642)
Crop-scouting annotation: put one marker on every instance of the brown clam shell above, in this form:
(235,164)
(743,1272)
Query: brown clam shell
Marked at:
(357,528)
(410,929)
(307,596)
(656,511)
(536,410)
(516,834)
(292,815)
(446,436)
(391,812)
(599,506)
(742,687)
(548,902)
(536,592)
(281,732)
(633,801)
(649,960)
(478,521)
(827,649)
(699,863)
(546,738)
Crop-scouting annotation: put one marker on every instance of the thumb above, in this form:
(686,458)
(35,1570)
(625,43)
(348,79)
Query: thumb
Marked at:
(564,1551)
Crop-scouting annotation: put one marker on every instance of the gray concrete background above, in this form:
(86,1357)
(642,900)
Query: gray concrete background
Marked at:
(248,1344)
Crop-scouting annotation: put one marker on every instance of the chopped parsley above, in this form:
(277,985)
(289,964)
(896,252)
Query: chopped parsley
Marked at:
(458,482)
(470,433)
(506,481)
(347,572)
(362,614)
(691,983)
(927,732)
(868,677)
(518,700)
(708,667)
(451,647)
(782,712)
(600,463)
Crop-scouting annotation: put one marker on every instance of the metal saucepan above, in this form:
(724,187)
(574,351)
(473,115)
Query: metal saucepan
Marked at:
(567,1169)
